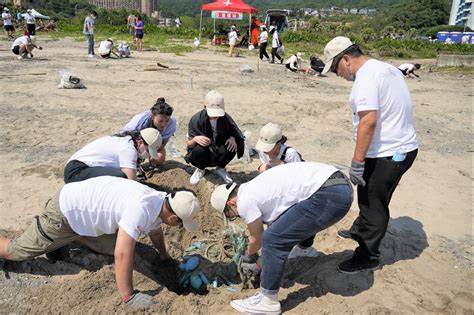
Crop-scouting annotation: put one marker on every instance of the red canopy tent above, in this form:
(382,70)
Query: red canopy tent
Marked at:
(227,5)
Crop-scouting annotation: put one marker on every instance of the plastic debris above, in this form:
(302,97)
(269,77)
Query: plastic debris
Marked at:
(69,81)
(245,68)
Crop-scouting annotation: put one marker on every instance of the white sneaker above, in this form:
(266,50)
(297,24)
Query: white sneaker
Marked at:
(224,175)
(302,252)
(20,57)
(258,304)
(197,175)
(90,55)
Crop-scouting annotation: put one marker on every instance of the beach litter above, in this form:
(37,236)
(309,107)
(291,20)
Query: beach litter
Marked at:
(69,81)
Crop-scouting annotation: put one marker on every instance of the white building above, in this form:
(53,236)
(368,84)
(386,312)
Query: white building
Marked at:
(461,13)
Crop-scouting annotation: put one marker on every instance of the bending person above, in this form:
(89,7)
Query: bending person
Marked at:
(296,201)
(108,215)
(272,149)
(115,155)
(159,117)
(213,139)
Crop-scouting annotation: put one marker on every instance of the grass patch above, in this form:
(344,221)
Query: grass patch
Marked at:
(453,70)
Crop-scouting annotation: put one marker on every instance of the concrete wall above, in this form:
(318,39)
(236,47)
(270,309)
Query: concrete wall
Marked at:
(455,60)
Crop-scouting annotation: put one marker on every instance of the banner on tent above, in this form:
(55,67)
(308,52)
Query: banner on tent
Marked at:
(227,15)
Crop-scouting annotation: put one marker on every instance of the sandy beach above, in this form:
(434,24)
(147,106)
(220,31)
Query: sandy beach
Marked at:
(426,254)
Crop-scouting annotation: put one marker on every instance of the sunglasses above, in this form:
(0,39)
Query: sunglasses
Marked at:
(335,63)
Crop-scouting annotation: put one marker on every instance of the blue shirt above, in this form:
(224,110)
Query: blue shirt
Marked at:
(143,120)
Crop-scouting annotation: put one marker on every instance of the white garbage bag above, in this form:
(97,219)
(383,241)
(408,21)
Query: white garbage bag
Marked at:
(69,81)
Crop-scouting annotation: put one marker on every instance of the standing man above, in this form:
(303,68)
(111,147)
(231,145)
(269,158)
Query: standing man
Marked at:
(7,23)
(233,38)
(296,201)
(386,143)
(107,214)
(30,22)
(88,30)
(263,42)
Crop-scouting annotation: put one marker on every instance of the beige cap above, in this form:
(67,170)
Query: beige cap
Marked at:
(299,55)
(152,137)
(220,195)
(214,102)
(186,206)
(270,134)
(336,46)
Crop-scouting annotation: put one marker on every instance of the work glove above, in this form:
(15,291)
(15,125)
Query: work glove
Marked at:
(140,301)
(253,269)
(246,258)
(356,173)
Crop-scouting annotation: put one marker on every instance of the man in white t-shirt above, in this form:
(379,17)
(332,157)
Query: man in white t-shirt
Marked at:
(23,46)
(408,69)
(296,201)
(386,144)
(7,23)
(106,48)
(93,211)
(88,31)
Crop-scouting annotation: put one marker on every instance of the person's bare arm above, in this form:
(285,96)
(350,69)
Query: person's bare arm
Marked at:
(255,239)
(201,140)
(130,173)
(365,133)
(158,240)
(124,249)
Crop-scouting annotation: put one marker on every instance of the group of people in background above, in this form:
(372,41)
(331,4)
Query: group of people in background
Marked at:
(7,19)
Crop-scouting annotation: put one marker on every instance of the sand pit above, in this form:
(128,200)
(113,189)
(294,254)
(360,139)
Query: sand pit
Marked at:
(426,254)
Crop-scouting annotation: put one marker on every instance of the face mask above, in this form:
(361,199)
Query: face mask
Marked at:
(351,77)
(143,155)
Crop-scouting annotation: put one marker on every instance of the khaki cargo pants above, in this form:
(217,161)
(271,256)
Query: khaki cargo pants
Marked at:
(51,231)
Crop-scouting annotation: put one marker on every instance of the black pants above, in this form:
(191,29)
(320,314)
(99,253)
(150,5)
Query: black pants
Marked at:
(288,66)
(274,54)
(382,176)
(263,51)
(202,157)
(76,171)
(31,29)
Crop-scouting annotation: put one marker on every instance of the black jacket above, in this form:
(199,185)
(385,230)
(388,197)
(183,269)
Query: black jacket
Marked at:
(199,125)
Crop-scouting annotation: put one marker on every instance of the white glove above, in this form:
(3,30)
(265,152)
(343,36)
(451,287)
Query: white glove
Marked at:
(140,301)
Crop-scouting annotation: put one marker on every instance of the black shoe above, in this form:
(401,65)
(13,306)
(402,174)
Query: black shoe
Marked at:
(272,61)
(281,61)
(345,234)
(357,264)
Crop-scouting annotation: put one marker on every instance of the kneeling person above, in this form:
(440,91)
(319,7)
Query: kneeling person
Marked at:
(90,212)
(296,201)
(106,48)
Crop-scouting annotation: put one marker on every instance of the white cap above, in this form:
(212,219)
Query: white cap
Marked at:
(336,46)
(220,195)
(186,206)
(214,102)
(152,137)
(29,11)
(299,55)
(270,134)
(5,9)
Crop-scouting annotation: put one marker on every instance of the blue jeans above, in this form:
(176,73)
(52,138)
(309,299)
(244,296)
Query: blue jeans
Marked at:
(90,44)
(301,221)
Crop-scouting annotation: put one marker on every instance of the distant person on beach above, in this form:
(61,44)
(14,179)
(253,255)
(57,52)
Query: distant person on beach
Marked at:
(272,149)
(116,155)
(385,148)
(316,66)
(139,33)
(213,139)
(7,23)
(106,49)
(233,38)
(263,43)
(24,45)
(408,69)
(158,117)
(177,22)
(275,44)
(132,22)
(108,215)
(293,63)
(88,30)
(295,201)
(30,22)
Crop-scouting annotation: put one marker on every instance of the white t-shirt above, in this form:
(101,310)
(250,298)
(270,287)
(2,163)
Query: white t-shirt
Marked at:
(29,18)
(101,205)
(116,152)
(7,19)
(381,87)
(271,193)
(263,37)
(105,47)
(21,40)
(290,156)
(406,66)
(275,40)
(232,37)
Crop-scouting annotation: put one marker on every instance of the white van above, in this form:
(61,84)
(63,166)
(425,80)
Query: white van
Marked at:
(278,18)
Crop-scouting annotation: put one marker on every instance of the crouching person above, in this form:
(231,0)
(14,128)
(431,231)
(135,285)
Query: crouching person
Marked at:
(91,212)
(296,201)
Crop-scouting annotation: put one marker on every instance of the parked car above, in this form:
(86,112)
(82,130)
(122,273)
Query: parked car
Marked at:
(278,18)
